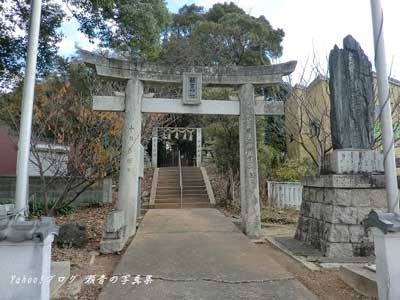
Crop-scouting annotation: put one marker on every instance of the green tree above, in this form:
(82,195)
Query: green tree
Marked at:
(130,26)
(223,35)
(14,19)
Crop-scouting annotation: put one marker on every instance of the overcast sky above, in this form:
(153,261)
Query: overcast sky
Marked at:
(311,26)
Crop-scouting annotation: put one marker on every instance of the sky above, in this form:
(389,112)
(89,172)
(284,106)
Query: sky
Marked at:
(312,28)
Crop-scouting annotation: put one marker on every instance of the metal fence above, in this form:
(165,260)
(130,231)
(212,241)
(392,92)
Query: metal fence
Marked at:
(285,194)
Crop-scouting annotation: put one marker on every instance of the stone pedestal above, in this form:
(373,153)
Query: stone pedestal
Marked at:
(113,239)
(351,161)
(334,206)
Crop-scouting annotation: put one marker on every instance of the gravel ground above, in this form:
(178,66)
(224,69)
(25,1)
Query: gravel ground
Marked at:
(325,284)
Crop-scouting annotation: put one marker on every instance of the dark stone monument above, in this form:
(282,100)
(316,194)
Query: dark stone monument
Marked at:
(352,181)
(352,96)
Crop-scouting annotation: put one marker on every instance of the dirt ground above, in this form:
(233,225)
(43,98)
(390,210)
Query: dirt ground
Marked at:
(325,284)
(87,260)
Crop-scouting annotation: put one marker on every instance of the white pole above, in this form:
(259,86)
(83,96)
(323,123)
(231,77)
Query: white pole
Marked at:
(21,199)
(386,113)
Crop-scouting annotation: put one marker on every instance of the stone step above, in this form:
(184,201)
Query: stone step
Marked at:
(169,181)
(195,192)
(170,196)
(194,170)
(177,184)
(188,195)
(168,190)
(168,184)
(166,174)
(176,176)
(198,195)
(185,205)
(168,193)
(189,180)
(186,188)
(192,173)
(163,189)
(178,200)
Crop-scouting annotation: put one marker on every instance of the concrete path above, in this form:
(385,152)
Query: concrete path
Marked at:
(199,254)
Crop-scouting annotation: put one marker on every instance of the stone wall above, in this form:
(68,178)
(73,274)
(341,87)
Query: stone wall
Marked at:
(94,194)
(332,210)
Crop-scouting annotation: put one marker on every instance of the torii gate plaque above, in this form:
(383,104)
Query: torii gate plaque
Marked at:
(134,104)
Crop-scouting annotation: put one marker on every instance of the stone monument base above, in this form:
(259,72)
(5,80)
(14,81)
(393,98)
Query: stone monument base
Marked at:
(353,161)
(332,210)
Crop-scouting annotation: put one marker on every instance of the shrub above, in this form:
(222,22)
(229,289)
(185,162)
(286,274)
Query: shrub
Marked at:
(37,208)
(294,170)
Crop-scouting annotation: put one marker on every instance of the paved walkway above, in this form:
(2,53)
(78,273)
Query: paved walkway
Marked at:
(196,254)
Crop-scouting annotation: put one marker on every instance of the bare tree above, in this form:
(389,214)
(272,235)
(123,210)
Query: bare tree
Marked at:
(307,115)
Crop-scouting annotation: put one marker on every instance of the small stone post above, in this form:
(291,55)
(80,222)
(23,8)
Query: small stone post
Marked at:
(154,148)
(198,147)
(130,158)
(249,189)
(107,190)
(387,248)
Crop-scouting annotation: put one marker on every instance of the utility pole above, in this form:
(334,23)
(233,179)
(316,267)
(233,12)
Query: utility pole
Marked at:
(21,193)
(386,110)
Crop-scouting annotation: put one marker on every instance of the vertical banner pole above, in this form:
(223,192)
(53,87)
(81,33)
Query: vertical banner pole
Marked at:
(21,193)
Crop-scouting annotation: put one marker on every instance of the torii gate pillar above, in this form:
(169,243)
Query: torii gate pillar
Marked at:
(249,189)
(130,157)
(198,147)
(154,148)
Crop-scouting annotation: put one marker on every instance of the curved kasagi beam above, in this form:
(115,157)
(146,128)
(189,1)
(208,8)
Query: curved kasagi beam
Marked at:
(216,75)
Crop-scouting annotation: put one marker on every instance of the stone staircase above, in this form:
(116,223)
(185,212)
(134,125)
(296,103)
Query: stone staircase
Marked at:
(168,193)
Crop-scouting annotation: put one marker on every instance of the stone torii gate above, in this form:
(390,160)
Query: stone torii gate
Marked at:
(133,103)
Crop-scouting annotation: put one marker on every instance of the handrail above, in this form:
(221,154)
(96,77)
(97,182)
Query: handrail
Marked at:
(180,175)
